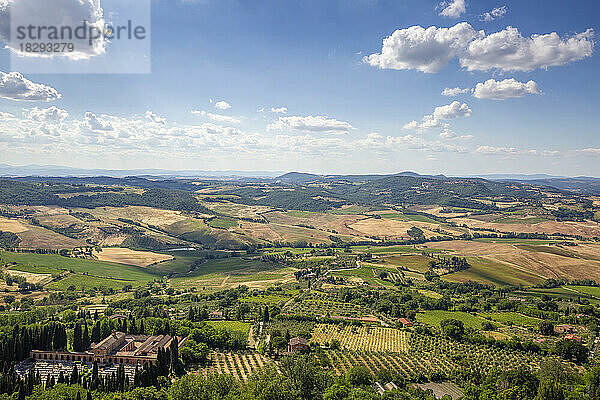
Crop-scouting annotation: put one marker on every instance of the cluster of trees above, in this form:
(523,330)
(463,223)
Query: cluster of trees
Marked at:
(197,314)
(9,240)
(17,345)
(451,263)
(569,214)
(35,194)
(216,338)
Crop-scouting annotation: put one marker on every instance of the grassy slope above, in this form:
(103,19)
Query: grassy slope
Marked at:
(243,327)
(51,263)
(489,272)
(513,318)
(435,318)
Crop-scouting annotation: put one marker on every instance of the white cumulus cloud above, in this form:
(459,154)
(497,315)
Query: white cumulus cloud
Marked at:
(222,105)
(453,110)
(453,8)
(508,50)
(501,90)
(430,49)
(423,49)
(279,110)
(452,92)
(317,123)
(92,122)
(15,86)
(46,114)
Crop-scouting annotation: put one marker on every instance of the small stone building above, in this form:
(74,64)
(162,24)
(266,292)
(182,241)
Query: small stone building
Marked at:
(298,344)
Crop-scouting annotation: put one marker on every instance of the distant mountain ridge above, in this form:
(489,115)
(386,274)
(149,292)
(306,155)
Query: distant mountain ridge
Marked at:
(580,184)
(303,177)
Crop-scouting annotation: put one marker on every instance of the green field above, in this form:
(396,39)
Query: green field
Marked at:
(265,299)
(52,263)
(231,264)
(513,318)
(414,262)
(593,291)
(222,223)
(231,271)
(186,226)
(178,265)
(352,210)
(83,282)
(489,272)
(565,292)
(301,214)
(257,276)
(243,327)
(435,317)
(362,272)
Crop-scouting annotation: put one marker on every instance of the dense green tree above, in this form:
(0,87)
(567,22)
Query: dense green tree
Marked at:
(453,328)
(546,328)
(359,375)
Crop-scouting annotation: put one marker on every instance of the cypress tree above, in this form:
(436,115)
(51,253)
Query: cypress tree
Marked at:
(96,333)
(86,338)
(74,376)
(77,345)
(95,370)
(174,348)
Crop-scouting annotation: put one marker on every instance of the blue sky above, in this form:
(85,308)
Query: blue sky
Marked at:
(344,113)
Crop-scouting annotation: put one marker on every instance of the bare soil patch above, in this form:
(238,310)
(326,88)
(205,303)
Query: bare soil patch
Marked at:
(12,225)
(131,257)
(29,276)
(146,215)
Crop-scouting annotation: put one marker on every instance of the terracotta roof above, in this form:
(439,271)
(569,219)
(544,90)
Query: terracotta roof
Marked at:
(298,340)
(110,340)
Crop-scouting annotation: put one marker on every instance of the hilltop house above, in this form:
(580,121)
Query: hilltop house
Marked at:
(406,322)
